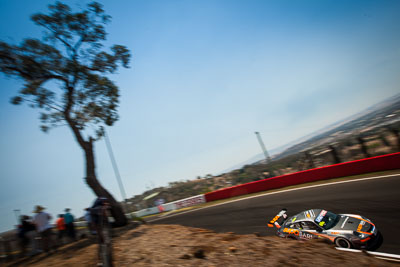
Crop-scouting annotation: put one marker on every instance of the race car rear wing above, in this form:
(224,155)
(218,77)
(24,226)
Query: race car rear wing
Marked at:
(275,221)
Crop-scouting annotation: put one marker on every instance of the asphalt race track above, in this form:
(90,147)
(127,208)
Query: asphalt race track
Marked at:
(377,199)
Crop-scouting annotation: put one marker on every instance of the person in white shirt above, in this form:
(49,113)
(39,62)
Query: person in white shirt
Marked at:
(43,226)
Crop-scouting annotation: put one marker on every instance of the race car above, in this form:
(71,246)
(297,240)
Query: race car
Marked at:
(344,230)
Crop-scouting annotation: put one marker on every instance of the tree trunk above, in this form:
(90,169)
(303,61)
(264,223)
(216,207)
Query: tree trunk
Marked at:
(98,189)
(91,179)
(397,135)
(384,140)
(364,148)
(310,160)
(335,155)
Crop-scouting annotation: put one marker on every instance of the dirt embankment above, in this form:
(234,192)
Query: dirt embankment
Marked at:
(174,245)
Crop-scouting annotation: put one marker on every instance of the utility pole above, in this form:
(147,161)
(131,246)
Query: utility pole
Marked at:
(267,157)
(115,167)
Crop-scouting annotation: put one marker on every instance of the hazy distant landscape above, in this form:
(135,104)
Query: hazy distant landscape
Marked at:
(372,132)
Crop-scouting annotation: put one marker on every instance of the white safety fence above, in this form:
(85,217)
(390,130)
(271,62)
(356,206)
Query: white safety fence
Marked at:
(175,205)
(146,212)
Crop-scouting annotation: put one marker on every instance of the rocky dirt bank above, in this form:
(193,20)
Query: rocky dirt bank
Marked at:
(174,245)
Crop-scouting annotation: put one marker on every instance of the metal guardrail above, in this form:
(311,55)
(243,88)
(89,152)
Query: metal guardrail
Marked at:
(378,255)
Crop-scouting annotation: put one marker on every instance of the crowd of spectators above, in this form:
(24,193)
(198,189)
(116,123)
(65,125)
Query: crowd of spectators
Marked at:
(37,234)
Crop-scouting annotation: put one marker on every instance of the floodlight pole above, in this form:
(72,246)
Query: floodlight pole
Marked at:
(114,164)
(267,157)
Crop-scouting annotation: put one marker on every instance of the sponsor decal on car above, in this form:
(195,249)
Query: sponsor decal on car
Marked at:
(320,216)
(305,235)
(291,231)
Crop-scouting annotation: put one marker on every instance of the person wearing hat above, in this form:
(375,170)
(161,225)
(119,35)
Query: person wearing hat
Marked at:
(43,226)
(69,224)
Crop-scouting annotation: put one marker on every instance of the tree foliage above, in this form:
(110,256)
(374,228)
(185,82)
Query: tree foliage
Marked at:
(65,75)
(69,54)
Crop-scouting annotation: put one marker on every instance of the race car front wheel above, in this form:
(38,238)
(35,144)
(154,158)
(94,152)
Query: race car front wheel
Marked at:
(342,243)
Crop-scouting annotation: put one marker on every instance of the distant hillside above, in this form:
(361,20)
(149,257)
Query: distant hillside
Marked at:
(372,132)
(347,125)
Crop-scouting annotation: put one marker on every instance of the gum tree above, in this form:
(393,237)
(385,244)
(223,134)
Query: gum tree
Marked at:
(66,76)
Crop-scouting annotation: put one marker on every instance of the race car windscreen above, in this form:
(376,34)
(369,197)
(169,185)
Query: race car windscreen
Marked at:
(327,219)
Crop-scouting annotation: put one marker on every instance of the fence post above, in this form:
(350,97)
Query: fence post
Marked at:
(104,234)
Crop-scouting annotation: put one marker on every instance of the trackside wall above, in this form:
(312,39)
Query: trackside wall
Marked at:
(146,212)
(178,204)
(374,164)
(188,202)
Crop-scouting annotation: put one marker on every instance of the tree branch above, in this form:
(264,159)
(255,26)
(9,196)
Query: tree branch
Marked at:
(26,75)
(79,43)
(54,107)
(56,35)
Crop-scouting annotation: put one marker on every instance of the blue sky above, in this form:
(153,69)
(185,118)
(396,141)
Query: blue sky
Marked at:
(204,76)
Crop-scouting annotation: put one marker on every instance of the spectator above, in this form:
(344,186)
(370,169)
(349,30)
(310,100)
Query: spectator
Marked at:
(69,223)
(60,223)
(43,227)
(99,217)
(89,221)
(96,211)
(26,234)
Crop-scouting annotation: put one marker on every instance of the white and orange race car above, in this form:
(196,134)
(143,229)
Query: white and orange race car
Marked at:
(344,230)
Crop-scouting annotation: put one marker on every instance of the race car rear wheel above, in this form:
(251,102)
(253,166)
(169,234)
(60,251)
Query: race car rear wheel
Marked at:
(342,242)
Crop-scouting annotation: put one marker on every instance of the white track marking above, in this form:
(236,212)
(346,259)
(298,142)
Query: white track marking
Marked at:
(283,191)
(379,255)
